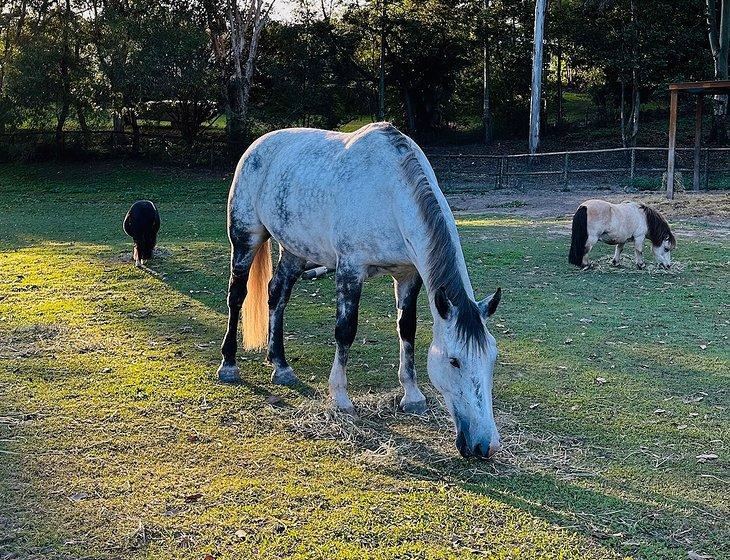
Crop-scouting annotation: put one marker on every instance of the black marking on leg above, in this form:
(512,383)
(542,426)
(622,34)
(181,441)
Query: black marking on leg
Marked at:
(349,289)
(241,259)
(407,297)
(288,270)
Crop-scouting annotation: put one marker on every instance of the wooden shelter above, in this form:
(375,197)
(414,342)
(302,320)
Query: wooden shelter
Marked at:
(700,89)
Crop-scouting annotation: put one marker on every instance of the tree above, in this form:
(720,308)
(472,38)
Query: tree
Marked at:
(173,71)
(50,67)
(235,28)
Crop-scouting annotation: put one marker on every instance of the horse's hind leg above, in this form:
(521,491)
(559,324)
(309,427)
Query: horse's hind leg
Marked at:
(243,250)
(288,270)
(592,240)
(617,254)
(349,287)
(406,296)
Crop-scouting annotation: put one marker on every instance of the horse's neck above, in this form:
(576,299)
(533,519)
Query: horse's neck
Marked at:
(418,238)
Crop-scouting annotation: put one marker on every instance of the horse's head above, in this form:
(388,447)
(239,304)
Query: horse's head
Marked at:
(143,247)
(663,251)
(460,365)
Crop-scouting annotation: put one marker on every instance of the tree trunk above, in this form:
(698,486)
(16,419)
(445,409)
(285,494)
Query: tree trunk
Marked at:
(65,82)
(536,90)
(635,110)
(410,115)
(381,84)
(623,113)
(60,122)
(719,35)
(135,131)
(559,96)
(245,31)
(635,94)
(82,118)
(486,65)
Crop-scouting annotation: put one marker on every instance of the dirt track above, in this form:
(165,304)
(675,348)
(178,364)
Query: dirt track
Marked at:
(712,206)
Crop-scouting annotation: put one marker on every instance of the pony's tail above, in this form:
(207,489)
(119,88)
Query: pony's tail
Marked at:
(579,237)
(256,305)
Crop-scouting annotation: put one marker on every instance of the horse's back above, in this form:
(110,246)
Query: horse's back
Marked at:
(321,194)
(613,223)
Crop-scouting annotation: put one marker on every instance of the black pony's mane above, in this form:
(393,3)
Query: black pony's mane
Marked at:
(657,227)
(442,258)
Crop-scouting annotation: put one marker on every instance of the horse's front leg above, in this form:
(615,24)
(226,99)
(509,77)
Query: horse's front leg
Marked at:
(406,296)
(288,270)
(617,254)
(639,252)
(349,287)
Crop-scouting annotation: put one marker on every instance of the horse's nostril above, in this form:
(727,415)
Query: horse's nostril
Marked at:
(461,445)
(478,450)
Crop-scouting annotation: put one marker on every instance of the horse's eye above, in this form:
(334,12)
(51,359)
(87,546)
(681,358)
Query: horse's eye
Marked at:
(455,363)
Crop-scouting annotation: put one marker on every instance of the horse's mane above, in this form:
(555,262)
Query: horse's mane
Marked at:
(657,227)
(442,259)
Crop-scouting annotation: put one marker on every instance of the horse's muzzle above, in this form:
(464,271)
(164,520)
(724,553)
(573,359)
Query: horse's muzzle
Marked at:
(482,450)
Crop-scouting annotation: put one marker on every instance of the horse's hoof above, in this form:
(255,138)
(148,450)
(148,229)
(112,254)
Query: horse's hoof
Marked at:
(616,263)
(641,266)
(349,410)
(284,376)
(228,373)
(418,407)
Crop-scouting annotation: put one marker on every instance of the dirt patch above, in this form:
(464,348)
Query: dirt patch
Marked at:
(710,206)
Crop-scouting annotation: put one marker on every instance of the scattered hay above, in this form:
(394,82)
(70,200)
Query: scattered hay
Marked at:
(382,436)
(128,256)
(604,265)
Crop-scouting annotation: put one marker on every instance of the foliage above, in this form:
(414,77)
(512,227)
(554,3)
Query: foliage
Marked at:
(320,67)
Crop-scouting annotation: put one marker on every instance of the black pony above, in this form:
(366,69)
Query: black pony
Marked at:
(142,223)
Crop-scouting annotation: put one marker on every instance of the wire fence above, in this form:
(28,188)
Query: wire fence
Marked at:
(641,167)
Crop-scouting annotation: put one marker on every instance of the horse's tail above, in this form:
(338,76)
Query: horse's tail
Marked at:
(579,237)
(256,305)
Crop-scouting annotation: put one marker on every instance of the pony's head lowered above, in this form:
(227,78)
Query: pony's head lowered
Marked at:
(461,366)
(662,238)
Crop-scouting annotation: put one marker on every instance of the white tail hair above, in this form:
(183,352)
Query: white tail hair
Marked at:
(256,305)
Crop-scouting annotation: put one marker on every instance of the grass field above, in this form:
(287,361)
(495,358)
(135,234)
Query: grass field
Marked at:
(116,440)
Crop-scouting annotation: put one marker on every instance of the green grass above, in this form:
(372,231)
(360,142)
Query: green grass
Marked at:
(116,440)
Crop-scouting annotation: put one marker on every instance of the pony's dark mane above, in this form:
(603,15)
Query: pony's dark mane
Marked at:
(442,259)
(657,227)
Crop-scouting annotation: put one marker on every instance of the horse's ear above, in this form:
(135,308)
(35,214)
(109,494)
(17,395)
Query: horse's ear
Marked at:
(443,304)
(489,304)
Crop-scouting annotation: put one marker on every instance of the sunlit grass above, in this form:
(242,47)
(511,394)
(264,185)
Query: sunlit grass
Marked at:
(116,441)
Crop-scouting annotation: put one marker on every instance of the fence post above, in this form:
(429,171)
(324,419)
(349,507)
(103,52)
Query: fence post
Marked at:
(499,175)
(506,171)
(565,171)
(707,168)
(633,166)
